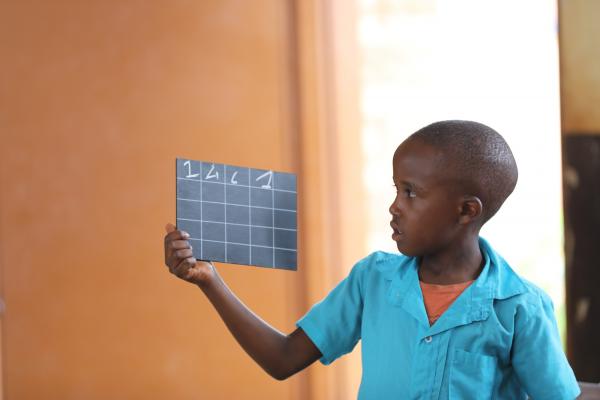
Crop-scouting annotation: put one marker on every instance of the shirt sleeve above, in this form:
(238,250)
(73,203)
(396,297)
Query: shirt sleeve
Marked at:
(334,324)
(538,358)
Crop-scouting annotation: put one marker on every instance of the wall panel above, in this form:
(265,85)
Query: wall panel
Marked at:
(97,99)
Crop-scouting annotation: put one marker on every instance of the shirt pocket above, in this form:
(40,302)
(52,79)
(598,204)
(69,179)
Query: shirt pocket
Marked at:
(471,376)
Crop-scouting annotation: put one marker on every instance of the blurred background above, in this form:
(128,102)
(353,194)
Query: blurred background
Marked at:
(98,98)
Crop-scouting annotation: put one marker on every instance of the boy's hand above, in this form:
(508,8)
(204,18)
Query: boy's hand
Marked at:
(180,260)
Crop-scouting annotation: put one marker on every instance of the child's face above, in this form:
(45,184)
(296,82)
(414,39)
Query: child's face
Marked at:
(426,209)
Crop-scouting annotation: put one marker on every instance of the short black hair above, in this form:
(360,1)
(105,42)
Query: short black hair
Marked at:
(478,157)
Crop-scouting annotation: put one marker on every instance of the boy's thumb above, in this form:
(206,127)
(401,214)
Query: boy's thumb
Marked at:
(170,227)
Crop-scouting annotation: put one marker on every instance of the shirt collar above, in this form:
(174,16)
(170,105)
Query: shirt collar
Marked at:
(497,274)
(496,281)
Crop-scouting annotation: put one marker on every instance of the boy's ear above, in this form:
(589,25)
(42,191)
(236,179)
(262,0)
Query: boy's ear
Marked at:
(471,209)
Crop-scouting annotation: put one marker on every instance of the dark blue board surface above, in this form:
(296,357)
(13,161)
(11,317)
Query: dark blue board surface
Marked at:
(238,215)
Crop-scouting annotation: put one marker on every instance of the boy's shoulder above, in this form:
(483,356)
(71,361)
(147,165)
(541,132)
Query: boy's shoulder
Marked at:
(382,263)
(534,298)
(513,287)
(533,291)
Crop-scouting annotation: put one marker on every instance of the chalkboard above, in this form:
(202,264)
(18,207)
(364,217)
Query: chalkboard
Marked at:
(238,215)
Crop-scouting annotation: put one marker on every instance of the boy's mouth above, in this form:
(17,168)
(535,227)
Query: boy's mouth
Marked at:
(396,232)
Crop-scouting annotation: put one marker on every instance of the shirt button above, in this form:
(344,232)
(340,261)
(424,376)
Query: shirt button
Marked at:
(428,339)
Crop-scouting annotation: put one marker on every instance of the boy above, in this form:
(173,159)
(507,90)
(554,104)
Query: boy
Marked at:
(447,318)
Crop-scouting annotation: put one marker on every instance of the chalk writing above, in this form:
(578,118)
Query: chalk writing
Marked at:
(189,174)
(268,184)
(211,174)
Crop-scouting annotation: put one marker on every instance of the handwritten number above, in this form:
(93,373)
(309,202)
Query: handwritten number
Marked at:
(214,175)
(189,174)
(268,184)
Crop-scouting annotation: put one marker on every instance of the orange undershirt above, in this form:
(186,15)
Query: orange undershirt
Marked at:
(439,297)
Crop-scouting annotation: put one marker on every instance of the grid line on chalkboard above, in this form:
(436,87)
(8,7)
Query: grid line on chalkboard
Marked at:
(249,217)
(237,185)
(201,228)
(225,224)
(273,221)
(235,223)
(245,244)
(225,208)
(236,204)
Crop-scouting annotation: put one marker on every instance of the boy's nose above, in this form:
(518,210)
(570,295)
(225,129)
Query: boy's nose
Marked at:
(394,208)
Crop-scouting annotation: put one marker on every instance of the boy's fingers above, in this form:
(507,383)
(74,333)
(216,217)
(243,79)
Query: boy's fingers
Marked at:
(178,252)
(182,269)
(184,253)
(173,261)
(176,235)
(180,244)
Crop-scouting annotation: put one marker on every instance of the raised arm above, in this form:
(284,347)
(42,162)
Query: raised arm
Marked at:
(278,354)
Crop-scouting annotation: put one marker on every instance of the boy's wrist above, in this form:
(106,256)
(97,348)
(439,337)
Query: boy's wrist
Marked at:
(210,282)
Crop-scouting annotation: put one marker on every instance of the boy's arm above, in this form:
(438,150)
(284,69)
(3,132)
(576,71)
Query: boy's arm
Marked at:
(278,354)
(537,355)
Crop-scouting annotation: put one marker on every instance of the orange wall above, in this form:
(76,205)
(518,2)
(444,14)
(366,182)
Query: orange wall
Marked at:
(97,99)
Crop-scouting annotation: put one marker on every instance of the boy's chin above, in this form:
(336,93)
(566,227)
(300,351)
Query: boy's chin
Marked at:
(405,250)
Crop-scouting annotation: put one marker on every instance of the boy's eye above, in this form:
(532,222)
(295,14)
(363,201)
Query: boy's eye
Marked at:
(406,191)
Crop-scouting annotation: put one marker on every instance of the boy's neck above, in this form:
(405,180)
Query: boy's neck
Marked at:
(461,263)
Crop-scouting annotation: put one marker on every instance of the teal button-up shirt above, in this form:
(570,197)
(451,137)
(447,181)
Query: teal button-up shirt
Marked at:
(498,340)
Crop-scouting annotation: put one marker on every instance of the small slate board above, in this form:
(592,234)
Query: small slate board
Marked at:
(238,215)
